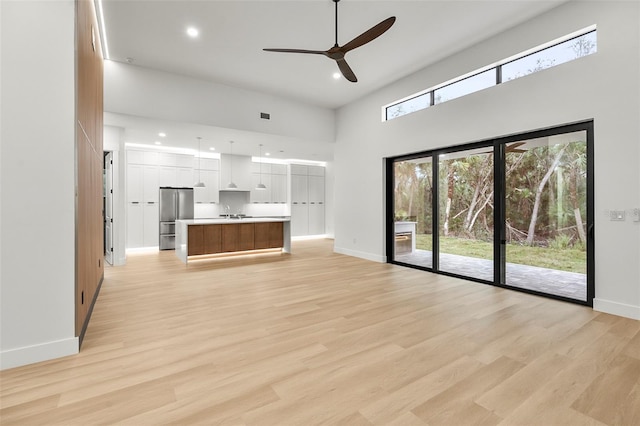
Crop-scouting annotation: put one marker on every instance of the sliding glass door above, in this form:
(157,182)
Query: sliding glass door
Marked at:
(516,212)
(546,214)
(466,213)
(412,214)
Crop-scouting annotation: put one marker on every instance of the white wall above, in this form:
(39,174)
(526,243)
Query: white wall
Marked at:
(604,87)
(148,93)
(37,178)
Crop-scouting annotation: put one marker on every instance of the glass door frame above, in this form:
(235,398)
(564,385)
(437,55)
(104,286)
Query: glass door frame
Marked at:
(499,213)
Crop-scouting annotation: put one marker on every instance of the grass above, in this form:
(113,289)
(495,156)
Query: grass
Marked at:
(567,259)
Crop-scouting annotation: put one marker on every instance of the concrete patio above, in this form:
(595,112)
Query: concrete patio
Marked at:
(560,283)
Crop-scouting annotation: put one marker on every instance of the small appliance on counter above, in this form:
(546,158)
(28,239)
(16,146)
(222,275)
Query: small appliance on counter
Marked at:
(175,203)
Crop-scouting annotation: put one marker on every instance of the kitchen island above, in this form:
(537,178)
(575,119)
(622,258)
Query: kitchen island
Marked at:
(197,237)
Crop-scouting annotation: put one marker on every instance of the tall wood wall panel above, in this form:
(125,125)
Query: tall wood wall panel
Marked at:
(89,159)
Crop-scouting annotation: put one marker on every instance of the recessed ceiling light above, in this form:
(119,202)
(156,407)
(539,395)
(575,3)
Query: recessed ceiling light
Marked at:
(162,134)
(158,143)
(192,32)
(267,154)
(212,149)
(336,75)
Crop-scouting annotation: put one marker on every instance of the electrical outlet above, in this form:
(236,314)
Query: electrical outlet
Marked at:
(636,215)
(616,215)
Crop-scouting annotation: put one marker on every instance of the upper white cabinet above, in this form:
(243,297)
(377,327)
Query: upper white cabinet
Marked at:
(274,177)
(279,188)
(167,176)
(134,183)
(208,194)
(150,186)
(185,178)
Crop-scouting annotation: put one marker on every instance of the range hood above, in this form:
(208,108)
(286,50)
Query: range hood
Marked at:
(236,168)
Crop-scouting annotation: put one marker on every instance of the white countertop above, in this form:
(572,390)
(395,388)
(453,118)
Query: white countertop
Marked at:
(223,220)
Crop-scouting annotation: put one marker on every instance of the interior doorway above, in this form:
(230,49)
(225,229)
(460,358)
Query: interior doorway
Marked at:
(107,196)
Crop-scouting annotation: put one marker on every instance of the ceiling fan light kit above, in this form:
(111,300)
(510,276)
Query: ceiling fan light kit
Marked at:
(338,52)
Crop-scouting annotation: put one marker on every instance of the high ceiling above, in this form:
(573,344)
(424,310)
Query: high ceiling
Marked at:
(232,34)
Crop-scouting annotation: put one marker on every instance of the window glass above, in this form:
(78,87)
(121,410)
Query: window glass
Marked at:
(466,86)
(550,57)
(409,106)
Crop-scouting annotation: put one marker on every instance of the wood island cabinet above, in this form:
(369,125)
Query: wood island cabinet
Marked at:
(212,239)
(196,239)
(237,237)
(268,235)
(227,236)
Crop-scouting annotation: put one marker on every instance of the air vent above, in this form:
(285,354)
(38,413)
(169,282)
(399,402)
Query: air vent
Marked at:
(265,116)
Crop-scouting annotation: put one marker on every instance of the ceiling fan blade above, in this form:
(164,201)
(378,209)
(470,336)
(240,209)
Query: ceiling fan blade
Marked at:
(513,146)
(369,35)
(316,52)
(346,70)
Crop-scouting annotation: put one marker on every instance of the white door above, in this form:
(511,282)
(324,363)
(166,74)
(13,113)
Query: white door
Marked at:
(108,208)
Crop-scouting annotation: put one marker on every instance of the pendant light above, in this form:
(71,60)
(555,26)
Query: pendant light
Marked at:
(199,184)
(231,185)
(261,186)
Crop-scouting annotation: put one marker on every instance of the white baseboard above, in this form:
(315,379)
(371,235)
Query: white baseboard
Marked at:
(37,353)
(361,254)
(616,308)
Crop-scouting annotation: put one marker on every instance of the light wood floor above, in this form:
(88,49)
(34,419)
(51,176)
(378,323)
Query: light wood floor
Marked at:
(320,338)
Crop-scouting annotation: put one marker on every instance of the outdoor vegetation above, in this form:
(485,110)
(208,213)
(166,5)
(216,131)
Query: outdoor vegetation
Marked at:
(545,203)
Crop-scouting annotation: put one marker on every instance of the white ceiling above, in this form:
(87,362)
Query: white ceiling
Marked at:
(233,34)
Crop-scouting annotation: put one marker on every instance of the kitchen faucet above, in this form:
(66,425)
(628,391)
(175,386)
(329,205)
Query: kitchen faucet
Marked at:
(227,210)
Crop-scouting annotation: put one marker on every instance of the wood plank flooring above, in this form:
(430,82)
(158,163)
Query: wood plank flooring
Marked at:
(320,338)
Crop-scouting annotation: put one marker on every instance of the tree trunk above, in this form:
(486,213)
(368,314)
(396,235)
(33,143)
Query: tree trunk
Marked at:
(447,210)
(536,204)
(573,195)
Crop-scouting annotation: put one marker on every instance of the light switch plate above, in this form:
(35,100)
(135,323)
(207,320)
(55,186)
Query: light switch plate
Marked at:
(636,215)
(616,215)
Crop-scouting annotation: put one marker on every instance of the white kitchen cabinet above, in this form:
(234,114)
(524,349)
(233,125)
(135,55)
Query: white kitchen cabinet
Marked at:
(260,195)
(150,158)
(207,163)
(299,189)
(185,178)
(316,189)
(258,167)
(184,160)
(166,159)
(208,194)
(135,157)
(307,200)
(134,183)
(316,219)
(278,169)
(315,171)
(150,187)
(167,176)
(151,224)
(279,188)
(135,218)
(299,220)
(299,169)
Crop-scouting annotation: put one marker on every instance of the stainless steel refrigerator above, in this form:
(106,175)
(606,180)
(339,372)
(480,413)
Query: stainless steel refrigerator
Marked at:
(175,203)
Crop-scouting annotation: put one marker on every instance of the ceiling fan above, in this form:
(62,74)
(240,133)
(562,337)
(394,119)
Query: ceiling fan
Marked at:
(337,52)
